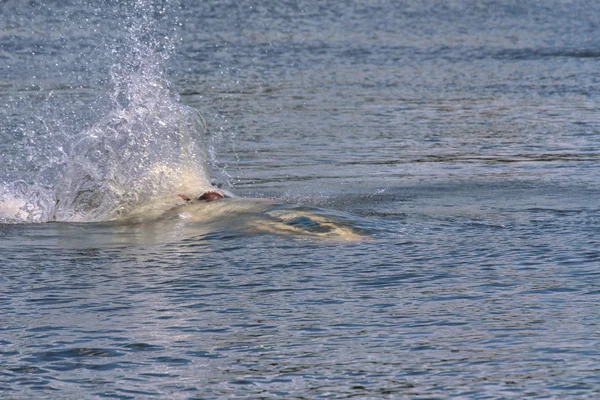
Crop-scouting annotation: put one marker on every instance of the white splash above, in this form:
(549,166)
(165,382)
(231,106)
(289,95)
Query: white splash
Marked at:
(149,147)
(147,150)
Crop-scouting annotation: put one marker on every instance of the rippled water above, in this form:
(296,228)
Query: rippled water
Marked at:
(453,144)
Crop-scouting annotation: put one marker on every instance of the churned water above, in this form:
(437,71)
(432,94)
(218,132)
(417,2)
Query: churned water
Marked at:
(434,228)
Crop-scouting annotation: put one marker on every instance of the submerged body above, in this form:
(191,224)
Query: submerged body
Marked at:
(217,209)
(208,209)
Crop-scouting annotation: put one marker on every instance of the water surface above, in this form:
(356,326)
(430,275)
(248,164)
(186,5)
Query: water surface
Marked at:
(458,140)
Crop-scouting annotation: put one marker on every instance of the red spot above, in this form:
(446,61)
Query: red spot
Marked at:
(210,196)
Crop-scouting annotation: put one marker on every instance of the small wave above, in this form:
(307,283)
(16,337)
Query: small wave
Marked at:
(532,54)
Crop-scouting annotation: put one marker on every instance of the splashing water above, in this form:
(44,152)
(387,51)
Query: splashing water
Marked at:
(147,148)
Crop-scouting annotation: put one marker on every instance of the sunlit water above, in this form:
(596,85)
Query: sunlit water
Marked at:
(434,224)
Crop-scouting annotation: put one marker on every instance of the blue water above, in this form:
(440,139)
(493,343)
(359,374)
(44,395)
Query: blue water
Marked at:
(455,144)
